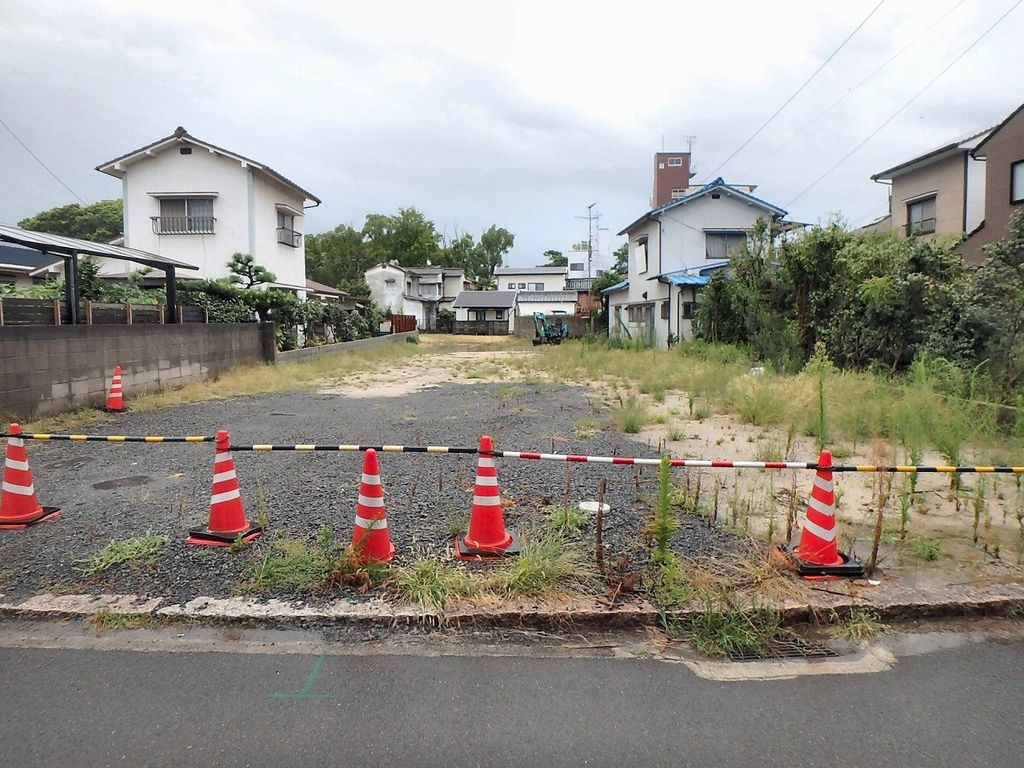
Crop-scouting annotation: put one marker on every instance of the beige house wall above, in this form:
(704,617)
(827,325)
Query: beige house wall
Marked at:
(945,178)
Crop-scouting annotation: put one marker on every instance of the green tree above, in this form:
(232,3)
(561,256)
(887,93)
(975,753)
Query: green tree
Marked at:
(494,244)
(339,258)
(621,255)
(555,259)
(247,273)
(99,222)
(993,316)
(409,238)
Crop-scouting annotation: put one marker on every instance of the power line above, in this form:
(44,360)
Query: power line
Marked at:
(850,91)
(45,166)
(910,101)
(797,92)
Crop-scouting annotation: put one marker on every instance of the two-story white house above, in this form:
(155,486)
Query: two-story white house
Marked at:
(192,201)
(538,289)
(673,249)
(418,291)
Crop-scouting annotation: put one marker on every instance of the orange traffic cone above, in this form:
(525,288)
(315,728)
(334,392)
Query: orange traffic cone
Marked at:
(115,398)
(370,536)
(19,507)
(487,536)
(227,518)
(818,553)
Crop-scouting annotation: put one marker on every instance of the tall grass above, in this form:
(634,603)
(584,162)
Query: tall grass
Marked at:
(934,406)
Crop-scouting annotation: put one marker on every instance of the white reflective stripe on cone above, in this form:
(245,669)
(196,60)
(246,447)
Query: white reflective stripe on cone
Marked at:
(21,490)
(16,441)
(371,525)
(220,477)
(818,531)
(371,479)
(820,506)
(368,501)
(487,462)
(823,484)
(219,498)
(484,480)
(487,501)
(15,464)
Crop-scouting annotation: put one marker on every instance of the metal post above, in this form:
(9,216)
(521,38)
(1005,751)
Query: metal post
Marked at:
(71,287)
(172,301)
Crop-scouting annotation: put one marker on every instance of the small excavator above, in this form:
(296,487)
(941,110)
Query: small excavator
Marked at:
(549,332)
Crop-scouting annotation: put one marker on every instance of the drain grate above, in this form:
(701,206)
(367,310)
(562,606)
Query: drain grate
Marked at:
(786,649)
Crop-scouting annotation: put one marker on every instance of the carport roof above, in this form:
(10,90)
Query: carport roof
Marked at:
(66,246)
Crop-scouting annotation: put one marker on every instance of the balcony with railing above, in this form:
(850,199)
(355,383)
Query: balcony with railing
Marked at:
(920,227)
(183,225)
(289,237)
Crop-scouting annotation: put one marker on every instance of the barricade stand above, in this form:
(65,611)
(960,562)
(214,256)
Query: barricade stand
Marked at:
(19,507)
(227,517)
(487,537)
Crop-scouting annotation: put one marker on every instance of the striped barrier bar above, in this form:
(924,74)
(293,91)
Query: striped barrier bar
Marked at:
(116,438)
(533,456)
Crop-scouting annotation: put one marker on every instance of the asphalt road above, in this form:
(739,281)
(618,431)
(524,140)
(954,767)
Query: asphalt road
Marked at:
(959,707)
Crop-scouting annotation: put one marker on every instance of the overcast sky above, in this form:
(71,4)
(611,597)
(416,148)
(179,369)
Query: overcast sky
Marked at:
(519,114)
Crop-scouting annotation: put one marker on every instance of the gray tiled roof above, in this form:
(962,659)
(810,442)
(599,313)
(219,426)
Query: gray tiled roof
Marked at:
(532,296)
(530,271)
(486,299)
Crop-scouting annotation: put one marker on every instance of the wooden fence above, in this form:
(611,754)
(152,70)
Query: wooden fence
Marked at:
(403,323)
(15,311)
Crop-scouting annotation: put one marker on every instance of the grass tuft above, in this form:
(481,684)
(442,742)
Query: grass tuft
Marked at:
(431,584)
(138,552)
(632,416)
(858,625)
(111,621)
(567,519)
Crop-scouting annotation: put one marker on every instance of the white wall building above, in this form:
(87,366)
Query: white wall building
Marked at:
(531,278)
(189,200)
(418,291)
(548,302)
(494,306)
(672,251)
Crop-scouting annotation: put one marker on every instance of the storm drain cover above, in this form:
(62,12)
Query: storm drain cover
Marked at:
(796,648)
(121,482)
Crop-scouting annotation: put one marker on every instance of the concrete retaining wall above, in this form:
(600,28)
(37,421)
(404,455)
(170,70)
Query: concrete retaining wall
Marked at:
(49,369)
(329,350)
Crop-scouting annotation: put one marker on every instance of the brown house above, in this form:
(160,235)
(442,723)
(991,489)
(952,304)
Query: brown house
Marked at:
(1003,153)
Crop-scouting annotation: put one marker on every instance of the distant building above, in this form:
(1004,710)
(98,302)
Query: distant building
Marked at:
(673,250)
(1002,151)
(189,200)
(418,291)
(671,177)
(531,278)
(940,192)
(20,267)
(485,312)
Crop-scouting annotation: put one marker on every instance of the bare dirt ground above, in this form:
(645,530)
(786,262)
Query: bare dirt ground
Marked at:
(973,535)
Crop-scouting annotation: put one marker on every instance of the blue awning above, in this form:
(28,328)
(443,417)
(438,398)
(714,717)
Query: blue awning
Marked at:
(617,287)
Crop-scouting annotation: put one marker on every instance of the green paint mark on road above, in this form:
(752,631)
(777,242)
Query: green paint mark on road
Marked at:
(307,690)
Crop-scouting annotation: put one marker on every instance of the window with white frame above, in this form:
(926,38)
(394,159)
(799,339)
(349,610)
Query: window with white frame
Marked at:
(641,255)
(639,313)
(521,286)
(720,245)
(678,193)
(184,216)
(675,161)
(921,216)
(1017,182)
(577,266)
(511,286)
(286,232)
(535,286)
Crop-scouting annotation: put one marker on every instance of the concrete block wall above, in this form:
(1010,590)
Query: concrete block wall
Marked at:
(344,347)
(49,369)
(578,326)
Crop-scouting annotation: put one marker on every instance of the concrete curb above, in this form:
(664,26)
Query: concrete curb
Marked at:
(892,604)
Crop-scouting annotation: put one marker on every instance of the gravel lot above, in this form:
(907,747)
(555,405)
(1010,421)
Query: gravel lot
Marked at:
(110,491)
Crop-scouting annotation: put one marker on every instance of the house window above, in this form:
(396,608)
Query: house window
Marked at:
(675,161)
(471,315)
(499,314)
(720,245)
(184,216)
(639,313)
(511,286)
(641,255)
(535,286)
(522,286)
(664,310)
(1017,182)
(577,266)
(286,234)
(677,193)
(688,307)
(921,216)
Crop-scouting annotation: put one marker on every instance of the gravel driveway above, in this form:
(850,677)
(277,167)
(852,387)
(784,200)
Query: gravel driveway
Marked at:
(111,491)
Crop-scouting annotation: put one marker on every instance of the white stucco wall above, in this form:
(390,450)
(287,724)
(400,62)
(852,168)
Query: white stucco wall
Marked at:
(287,263)
(552,281)
(387,295)
(527,308)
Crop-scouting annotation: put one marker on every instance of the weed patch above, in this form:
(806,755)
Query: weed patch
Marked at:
(138,552)
(431,584)
(567,519)
(111,621)
(632,415)
(858,625)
